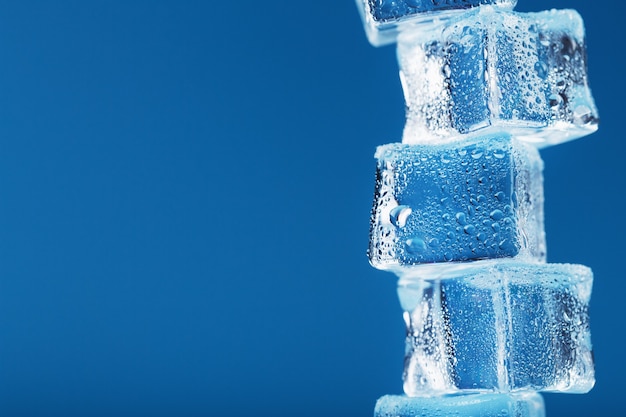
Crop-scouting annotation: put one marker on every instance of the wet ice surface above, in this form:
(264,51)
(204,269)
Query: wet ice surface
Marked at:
(498,326)
(478,199)
(384,19)
(525,73)
(484,405)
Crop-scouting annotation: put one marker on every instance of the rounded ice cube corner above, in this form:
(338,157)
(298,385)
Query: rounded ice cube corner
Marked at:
(481,198)
(384,20)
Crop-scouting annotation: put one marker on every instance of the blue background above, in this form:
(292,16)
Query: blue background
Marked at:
(185,190)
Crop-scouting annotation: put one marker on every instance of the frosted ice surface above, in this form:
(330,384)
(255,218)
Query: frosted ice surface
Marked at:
(522,72)
(481,198)
(484,405)
(499,326)
(384,19)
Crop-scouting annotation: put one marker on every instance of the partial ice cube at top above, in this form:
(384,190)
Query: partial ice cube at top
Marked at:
(384,19)
(525,73)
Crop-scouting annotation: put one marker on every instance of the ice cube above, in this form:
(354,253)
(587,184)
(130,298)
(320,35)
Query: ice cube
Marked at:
(498,326)
(384,19)
(484,405)
(481,198)
(522,72)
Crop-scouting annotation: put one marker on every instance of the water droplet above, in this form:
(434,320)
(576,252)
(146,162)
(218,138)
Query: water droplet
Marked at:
(433,243)
(541,68)
(500,196)
(415,245)
(555,100)
(477,153)
(507,246)
(399,215)
(481,236)
(461,218)
(470,229)
(499,153)
(496,215)
(566,317)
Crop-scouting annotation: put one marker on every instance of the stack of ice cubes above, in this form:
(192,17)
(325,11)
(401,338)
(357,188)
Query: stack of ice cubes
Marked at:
(458,205)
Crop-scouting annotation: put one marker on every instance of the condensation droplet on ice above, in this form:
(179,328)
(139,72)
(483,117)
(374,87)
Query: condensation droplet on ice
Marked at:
(399,215)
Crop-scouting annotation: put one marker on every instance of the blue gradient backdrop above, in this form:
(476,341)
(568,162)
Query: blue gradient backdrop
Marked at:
(185,190)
